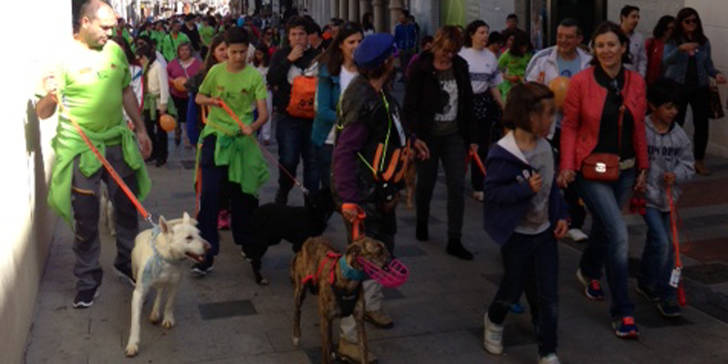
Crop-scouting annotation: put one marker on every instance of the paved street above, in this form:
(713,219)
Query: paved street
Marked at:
(227,318)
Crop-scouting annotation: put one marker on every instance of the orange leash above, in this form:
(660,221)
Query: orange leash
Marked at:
(677,270)
(270,156)
(357,222)
(145,214)
(473,156)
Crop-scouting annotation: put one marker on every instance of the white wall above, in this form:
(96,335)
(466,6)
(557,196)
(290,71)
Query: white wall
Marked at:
(25,221)
(714,13)
(493,12)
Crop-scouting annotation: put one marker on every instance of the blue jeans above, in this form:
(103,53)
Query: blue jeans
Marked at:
(294,142)
(531,263)
(658,256)
(323,160)
(609,241)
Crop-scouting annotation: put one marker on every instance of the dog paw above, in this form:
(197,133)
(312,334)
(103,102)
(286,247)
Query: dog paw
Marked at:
(154,318)
(168,323)
(296,341)
(262,281)
(132,350)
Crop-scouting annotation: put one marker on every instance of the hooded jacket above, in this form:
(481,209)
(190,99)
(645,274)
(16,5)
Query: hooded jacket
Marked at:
(668,152)
(507,192)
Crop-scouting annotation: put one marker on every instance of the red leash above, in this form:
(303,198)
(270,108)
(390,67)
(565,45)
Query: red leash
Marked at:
(473,156)
(145,214)
(675,280)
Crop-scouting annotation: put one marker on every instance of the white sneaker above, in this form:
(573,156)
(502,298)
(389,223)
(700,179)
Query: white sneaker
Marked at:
(576,235)
(478,196)
(549,359)
(492,336)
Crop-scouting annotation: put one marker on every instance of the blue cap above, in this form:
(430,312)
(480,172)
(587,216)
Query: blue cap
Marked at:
(374,50)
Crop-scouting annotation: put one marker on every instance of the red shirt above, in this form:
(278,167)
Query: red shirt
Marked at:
(583,108)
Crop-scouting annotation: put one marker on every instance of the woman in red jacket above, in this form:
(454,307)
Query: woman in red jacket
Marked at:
(603,113)
(656,45)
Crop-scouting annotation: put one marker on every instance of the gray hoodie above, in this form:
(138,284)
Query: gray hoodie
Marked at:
(668,152)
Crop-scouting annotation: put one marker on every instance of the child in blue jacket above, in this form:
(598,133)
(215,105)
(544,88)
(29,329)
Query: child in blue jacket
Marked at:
(525,213)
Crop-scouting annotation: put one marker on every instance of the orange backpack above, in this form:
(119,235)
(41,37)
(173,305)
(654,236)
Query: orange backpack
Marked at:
(303,93)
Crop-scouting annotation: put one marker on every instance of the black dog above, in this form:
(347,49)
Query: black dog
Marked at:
(273,223)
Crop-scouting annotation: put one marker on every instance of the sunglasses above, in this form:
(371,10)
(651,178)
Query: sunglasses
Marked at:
(690,21)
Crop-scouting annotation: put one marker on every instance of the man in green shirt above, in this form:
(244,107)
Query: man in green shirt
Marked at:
(172,41)
(229,157)
(92,85)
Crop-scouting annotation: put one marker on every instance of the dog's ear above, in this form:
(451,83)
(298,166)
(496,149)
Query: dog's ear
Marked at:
(186,218)
(163,225)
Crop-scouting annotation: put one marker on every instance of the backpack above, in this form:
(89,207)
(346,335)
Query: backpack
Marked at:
(303,94)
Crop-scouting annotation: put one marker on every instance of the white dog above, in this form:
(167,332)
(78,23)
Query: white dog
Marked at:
(157,261)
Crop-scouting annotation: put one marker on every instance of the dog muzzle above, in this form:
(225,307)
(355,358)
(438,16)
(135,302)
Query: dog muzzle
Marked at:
(392,275)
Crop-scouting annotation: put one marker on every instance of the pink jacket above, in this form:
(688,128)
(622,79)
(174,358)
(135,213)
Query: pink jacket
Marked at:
(583,108)
(175,69)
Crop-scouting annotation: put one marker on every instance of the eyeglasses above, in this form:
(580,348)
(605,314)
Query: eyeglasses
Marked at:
(691,21)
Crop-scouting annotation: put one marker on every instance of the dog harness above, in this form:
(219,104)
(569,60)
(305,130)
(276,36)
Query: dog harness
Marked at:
(345,299)
(153,266)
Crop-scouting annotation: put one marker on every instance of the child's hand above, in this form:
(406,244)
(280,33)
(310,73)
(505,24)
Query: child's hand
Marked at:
(562,227)
(669,178)
(536,181)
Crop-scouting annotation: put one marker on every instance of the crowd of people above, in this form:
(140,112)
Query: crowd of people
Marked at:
(550,154)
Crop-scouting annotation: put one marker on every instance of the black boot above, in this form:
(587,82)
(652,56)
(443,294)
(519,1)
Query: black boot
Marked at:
(421,233)
(456,249)
(281,197)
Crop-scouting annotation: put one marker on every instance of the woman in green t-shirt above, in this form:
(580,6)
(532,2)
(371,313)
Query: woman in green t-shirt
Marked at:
(228,157)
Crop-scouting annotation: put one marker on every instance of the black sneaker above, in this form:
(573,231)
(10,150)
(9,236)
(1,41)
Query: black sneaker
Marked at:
(669,308)
(281,198)
(421,233)
(85,298)
(124,272)
(456,249)
(201,269)
(647,293)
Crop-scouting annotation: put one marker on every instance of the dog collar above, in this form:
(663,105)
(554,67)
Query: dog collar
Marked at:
(349,272)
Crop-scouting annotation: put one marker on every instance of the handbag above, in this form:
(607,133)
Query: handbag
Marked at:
(716,109)
(604,167)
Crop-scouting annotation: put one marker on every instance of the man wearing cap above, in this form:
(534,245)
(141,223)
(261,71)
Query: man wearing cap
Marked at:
(370,130)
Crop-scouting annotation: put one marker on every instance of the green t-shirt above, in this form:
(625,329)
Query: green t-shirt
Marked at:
(240,153)
(206,34)
(239,91)
(91,84)
(157,37)
(511,66)
(170,44)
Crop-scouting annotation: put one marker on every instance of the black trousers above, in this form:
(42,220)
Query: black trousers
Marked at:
(158,137)
(242,205)
(698,100)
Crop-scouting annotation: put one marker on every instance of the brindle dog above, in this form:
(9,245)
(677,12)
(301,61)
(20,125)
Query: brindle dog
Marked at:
(306,263)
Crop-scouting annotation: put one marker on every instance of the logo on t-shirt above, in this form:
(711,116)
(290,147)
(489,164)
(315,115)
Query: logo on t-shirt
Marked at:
(566,73)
